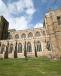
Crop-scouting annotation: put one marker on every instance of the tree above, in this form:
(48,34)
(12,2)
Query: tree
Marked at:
(6,52)
(35,50)
(15,52)
(25,52)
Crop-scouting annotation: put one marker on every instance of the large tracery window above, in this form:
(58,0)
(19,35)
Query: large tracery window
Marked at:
(19,48)
(38,46)
(29,48)
(2,49)
(11,48)
(37,34)
(30,35)
(23,35)
(16,36)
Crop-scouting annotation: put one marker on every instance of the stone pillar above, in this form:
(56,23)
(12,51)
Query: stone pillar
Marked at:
(32,44)
(54,45)
(4,50)
(53,42)
(23,48)
(33,48)
(42,46)
(14,52)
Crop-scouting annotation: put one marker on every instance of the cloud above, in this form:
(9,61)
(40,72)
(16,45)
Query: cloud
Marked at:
(38,25)
(30,11)
(2,7)
(10,9)
(21,22)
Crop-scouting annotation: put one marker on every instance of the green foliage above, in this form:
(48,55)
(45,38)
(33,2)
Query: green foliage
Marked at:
(30,67)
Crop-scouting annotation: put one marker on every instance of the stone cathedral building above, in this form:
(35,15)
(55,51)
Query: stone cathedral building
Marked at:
(44,41)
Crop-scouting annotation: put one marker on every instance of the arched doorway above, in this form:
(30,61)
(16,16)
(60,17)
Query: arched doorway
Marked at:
(11,48)
(19,48)
(29,48)
(38,46)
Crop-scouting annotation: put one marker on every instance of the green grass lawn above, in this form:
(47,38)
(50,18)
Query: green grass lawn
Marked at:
(30,67)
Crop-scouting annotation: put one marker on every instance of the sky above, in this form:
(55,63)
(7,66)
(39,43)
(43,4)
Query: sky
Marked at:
(24,14)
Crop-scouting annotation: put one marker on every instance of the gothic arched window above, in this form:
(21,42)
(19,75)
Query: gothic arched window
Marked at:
(23,35)
(16,36)
(19,48)
(37,34)
(38,46)
(11,48)
(29,48)
(30,35)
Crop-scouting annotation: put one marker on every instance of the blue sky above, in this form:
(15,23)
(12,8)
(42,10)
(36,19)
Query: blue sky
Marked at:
(23,14)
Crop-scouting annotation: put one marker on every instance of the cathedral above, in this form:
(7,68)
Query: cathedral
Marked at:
(35,42)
